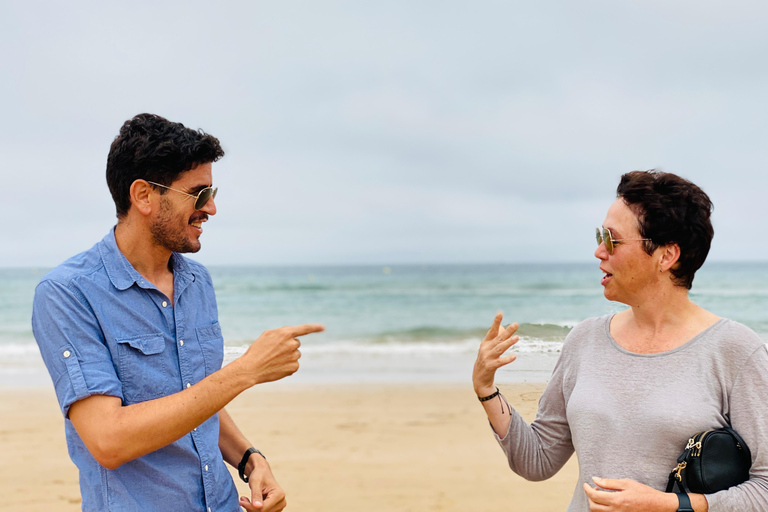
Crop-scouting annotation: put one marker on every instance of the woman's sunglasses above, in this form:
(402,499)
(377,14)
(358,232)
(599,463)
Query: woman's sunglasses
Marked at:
(605,236)
(202,197)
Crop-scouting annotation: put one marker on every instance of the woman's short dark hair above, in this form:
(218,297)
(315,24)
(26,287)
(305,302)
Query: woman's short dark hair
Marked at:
(671,210)
(152,148)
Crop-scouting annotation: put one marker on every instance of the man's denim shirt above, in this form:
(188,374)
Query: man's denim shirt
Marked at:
(103,329)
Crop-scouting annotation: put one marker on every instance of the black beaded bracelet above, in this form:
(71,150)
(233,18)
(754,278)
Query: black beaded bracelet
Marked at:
(241,467)
(489,397)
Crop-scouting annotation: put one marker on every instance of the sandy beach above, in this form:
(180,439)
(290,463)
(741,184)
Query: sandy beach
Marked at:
(333,448)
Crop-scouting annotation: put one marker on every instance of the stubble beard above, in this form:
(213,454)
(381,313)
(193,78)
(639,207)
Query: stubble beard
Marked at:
(167,232)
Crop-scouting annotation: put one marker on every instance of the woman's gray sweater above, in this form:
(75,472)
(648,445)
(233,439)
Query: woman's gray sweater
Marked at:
(630,415)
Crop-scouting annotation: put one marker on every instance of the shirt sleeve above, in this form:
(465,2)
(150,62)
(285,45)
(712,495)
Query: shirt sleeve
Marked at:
(539,450)
(72,345)
(748,402)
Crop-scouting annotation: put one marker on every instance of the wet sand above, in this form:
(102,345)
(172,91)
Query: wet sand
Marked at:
(340,448)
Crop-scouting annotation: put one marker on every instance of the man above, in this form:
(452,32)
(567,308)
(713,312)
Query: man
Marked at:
(130,335)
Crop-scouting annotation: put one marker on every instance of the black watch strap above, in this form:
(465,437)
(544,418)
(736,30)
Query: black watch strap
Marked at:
(684,503)
(241,467)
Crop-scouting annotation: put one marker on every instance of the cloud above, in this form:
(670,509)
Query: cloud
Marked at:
(398,131)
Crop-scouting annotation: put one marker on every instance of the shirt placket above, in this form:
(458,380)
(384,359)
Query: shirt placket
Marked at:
(186,370)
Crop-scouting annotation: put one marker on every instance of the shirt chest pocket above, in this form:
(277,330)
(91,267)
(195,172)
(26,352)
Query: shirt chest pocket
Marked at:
(212,345)
(144,367)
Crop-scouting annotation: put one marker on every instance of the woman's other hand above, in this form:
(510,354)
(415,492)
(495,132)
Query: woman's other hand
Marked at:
(490,356)
(625,495)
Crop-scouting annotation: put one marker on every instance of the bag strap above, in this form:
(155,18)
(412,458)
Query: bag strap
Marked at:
(671,482)
(676,477)
(673,485)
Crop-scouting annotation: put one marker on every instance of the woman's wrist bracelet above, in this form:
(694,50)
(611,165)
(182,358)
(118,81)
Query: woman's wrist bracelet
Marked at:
(489,397)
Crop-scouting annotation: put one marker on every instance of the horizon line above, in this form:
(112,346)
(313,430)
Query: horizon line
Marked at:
(395,264)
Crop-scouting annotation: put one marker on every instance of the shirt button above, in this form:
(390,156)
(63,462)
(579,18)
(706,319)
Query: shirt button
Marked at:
(189,385)
(165,303)
(195,429)
(206,467)
(209,509)
(181,342)
(66,353)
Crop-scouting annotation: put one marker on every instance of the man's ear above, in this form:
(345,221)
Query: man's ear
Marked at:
(670,254)
(141,196)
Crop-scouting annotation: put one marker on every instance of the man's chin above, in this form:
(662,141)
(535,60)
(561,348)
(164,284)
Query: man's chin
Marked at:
(189,246)
(193,247)
(175,240)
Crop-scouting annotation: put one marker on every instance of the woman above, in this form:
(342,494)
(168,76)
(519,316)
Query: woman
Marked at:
(630,389)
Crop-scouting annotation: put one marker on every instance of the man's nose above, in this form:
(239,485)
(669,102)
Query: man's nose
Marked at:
(210,207)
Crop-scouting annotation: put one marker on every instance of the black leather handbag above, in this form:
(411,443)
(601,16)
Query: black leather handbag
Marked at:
(712,461)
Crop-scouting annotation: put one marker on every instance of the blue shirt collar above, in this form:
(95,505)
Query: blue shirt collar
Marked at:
(122,274)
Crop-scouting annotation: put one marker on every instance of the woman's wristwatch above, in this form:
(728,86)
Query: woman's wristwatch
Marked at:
(684,503)
(241,467)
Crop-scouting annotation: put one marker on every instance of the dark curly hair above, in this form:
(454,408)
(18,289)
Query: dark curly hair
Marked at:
(153,148)
(671,210)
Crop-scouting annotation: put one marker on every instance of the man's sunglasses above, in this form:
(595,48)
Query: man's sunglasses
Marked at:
(202,197)
(605,236)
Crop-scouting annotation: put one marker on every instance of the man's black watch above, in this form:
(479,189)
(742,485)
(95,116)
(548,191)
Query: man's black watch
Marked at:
(241,467)
(684,503)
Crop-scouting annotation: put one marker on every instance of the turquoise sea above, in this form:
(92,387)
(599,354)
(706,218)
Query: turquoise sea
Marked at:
(405,323)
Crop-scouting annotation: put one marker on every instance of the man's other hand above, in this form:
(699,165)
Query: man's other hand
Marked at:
(266,494)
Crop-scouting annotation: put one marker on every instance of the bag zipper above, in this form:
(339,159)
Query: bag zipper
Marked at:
(696,449)
(693,448)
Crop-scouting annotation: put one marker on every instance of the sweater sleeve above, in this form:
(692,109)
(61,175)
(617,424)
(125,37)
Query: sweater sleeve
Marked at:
(748,402)
(538,451)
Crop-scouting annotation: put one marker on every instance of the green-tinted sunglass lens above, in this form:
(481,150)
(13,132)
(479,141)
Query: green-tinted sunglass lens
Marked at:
(608,239)
(204,196)
(605,236)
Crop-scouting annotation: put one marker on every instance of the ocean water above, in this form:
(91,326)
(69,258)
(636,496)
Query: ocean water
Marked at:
(405,323)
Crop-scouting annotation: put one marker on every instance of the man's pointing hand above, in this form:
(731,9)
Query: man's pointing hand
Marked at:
(275,354)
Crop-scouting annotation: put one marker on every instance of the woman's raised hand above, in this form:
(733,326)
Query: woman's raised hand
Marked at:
(490,356)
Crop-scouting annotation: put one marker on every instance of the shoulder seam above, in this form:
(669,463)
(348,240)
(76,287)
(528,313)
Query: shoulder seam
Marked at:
(68,280)
(741,368)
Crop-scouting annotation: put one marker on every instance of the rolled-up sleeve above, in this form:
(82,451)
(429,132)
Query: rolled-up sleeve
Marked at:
(72,345)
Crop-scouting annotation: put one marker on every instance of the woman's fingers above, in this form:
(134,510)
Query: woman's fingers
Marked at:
(509,331)
(503,361)
(505,345)
(493,332)
(497,345)
(490,356)
(503,341)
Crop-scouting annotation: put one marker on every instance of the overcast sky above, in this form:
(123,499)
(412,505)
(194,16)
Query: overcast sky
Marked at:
(388,132)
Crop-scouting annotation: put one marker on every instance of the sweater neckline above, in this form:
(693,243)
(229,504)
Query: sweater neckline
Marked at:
(692,341)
